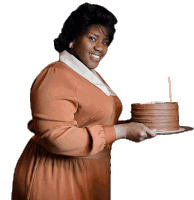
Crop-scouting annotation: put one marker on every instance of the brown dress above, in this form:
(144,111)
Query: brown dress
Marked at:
(68,158)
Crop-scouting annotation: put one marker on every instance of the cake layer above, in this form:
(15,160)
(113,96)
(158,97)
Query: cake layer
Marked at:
(160,116)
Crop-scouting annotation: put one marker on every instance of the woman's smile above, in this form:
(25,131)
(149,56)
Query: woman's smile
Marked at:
(97,57)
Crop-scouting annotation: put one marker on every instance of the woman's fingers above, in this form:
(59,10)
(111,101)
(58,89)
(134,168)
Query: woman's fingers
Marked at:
(143,137)
(147,133)
(151,133)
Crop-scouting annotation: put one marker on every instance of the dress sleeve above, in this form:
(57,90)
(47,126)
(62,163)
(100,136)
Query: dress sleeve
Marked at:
(54,104)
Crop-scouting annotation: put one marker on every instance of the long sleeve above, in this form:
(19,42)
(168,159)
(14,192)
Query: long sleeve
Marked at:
(54,105)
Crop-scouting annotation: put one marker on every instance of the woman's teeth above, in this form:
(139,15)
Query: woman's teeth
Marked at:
(95,56)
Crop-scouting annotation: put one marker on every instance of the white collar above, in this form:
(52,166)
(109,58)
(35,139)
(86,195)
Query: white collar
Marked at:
(81,69)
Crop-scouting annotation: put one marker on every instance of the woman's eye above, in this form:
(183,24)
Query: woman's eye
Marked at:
(92,39)
(106,43)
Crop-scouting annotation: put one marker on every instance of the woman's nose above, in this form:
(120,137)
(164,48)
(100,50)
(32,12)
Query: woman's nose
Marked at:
(98,46)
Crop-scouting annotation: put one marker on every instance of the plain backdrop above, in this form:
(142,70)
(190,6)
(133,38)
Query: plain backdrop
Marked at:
(153,40)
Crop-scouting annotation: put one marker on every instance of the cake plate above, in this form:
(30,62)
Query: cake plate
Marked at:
(180,130)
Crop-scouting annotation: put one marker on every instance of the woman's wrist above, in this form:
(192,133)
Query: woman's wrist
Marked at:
(120,131)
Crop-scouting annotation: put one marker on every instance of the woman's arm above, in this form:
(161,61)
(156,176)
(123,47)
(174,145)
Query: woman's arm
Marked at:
(54,104)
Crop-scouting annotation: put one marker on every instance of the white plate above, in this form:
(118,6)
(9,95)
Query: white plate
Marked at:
(168,132)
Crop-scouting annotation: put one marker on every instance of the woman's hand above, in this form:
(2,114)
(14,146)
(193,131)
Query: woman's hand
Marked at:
(136,132)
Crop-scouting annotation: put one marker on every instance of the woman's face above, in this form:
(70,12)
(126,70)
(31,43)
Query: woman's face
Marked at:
(91,46)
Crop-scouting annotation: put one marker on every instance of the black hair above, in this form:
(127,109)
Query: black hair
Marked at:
(80,20)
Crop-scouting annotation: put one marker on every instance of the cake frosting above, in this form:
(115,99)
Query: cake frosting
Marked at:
(156,115)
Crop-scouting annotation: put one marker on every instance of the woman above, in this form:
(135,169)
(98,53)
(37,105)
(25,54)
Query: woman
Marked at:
(75,117)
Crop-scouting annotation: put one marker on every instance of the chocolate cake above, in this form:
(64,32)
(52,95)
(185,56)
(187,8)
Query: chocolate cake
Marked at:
(161,116)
